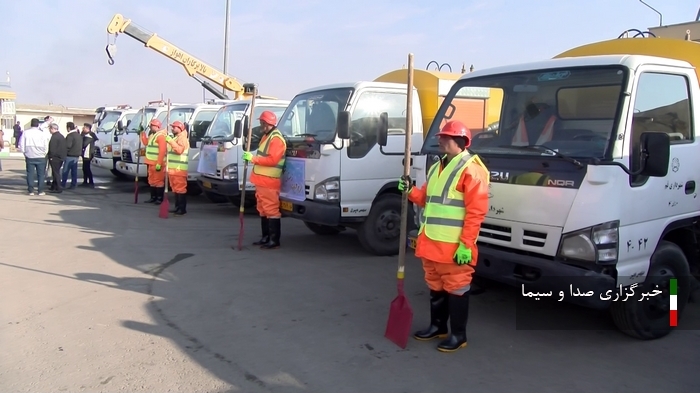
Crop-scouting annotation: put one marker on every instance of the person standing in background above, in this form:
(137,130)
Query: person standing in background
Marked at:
(34,144)
(89,139)
(56,156)
(17,134)
(74,149)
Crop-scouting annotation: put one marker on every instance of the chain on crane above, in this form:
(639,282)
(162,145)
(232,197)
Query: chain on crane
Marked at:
(111,49)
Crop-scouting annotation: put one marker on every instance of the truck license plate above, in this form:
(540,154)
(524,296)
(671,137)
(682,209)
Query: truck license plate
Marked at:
(206,184)
(412,242)
(286,206)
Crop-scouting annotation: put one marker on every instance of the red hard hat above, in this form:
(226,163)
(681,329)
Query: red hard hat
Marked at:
(178,123)
(456,128)
(155,122)
(269,118)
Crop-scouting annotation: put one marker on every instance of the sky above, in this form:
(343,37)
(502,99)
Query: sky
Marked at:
(55,53)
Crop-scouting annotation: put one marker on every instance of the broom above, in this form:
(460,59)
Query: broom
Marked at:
(138,159)
(400,313)
(249,133)
(165,205)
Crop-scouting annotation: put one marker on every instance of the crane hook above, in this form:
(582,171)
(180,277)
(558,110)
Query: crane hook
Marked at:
(111,50)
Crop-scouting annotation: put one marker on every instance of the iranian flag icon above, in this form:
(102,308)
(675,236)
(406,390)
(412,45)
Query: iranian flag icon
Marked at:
(673,314)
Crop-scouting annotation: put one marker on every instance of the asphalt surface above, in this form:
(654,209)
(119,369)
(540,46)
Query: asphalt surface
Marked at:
(101,295)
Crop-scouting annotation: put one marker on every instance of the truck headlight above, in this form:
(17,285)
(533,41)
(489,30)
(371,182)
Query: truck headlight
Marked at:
(107,149)
(230,172)
(599,244)
(328,190)
(140,153)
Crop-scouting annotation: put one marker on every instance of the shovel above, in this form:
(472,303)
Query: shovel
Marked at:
(398,327)
(165,206)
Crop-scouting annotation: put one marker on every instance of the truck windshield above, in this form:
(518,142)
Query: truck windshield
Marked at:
(182,114)
(138,117)
(314,114)
(222,125)
(569,112)
(109,121)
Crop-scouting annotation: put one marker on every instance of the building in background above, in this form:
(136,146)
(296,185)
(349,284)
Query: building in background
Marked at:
(7,111)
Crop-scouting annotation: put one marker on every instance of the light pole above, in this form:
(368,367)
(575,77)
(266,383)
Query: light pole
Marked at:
(226,34)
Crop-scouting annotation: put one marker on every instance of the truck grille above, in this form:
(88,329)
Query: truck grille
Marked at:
(504,234)
(126,156)
(98,153)
(306,190)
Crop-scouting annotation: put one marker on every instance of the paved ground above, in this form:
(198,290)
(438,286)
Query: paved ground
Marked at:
(99,294)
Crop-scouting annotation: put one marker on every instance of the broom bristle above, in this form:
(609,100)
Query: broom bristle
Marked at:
(164,207)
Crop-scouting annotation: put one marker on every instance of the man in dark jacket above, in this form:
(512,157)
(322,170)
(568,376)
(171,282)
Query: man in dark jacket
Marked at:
(89,139)
(56,155)
(74,146)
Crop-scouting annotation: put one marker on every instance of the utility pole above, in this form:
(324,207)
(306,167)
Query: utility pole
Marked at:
(226,34)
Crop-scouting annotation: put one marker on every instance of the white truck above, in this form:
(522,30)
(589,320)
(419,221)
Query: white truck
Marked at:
(196,118)
(221,182)
(112,124)
(594,178)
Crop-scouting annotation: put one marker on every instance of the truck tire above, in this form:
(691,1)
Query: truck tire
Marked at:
(380,232)
(193,189)
(249,203)
(215,198)
(119,175)
(648,319)
(322,230)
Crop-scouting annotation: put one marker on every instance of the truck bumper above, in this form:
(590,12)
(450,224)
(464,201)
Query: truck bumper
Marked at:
(311,211)
(129,168)
(218,186)
(104,163)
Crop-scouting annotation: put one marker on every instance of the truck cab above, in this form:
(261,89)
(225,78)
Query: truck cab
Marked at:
(218,172)
(593,177)
(335,176)
(113,122)
(133,152)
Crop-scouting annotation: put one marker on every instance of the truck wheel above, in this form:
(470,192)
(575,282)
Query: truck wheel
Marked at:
(250,202)
(323,230)
(119,175)
(193,189)
(648,319)
(380,232)
(215,198)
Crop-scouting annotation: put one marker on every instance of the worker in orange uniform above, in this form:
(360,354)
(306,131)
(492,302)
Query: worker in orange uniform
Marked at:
(455,198)
(268,164)
(156,149)
(178,150)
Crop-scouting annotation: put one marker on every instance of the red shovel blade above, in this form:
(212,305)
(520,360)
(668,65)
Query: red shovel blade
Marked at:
(164,207)
(398,327)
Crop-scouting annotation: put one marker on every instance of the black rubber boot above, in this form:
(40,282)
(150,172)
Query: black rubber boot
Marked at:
(265,225)
(274,234)
(183,204)
(439,314)
(160,193)
(177,204)
(153,195)
(459,313)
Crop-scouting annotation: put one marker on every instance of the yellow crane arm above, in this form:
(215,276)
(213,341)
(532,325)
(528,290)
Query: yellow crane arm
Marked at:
(192,65)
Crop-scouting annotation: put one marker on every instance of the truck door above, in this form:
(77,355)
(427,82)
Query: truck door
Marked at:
(662,102)
(198,126)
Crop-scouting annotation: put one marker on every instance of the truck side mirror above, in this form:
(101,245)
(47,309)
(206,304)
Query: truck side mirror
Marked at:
(656,152)
(240,126)
(187,127)
(128,122)
(120,125)
(342,125)
(383,131)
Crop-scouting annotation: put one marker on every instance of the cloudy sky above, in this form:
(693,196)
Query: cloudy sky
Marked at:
(55,50)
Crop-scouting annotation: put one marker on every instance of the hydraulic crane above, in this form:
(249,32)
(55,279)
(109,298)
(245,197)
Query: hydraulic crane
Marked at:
(193,66)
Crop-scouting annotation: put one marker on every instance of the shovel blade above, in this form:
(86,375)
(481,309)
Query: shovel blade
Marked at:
(164,207)
(398,326)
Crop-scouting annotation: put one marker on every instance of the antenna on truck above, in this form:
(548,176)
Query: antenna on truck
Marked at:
(661,17)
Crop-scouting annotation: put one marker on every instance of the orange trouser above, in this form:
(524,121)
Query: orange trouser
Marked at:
(268,202)
(156,178)
(449,277)
(178,182)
